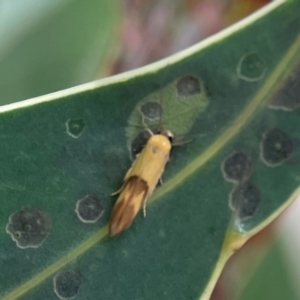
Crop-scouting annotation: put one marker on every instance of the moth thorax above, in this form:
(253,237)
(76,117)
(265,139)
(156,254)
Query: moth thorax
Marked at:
(160,143)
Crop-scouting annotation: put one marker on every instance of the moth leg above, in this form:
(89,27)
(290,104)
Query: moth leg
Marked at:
(118,191)
(161,181)
(144,207)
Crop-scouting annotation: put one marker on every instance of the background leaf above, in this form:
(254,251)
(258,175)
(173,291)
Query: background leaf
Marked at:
(46,48)
(272,279)
(175,251)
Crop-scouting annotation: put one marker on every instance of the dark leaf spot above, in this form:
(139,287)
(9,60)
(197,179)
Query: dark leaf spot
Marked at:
(276,147)
(28,227)
(139,142)
(237,167)
(188,86)
(152,110)
(244,200)
(89,209)
(288,96)
(67,284)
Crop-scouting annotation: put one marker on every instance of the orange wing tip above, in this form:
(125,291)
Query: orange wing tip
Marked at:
(114,230)
(117,226)
(127,206)
(120,219)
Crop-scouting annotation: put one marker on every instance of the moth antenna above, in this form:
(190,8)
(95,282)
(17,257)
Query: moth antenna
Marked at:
(160,126)
(182,142)
(144,123)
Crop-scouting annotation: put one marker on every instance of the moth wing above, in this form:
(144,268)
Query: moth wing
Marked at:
(135,165)
(149,166)
(126,177)
(132,197)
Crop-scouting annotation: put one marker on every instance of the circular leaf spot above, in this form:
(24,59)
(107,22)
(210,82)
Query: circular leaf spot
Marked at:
(29,227)
(67,284)
(188,86)
(75,128)
(287,97)
(251,67)
(89,209)
(244,200)
(237,167)
(276,147)
(152,110)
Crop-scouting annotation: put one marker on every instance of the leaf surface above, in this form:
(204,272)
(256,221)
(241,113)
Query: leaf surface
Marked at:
(60,148)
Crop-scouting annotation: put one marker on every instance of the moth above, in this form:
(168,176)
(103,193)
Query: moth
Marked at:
(174,107)
(140,181)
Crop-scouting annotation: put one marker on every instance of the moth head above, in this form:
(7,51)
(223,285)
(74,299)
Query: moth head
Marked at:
(168,134)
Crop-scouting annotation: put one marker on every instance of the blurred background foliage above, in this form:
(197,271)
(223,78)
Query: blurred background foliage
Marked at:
(47,46)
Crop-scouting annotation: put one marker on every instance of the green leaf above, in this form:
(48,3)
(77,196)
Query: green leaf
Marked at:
(64,48)
(272,279)
(70,146)
(175,107)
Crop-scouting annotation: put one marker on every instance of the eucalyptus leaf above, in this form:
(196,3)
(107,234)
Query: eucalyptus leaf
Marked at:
(62,155)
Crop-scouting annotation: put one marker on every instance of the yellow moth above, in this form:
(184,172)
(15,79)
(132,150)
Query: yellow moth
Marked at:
(140,181)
